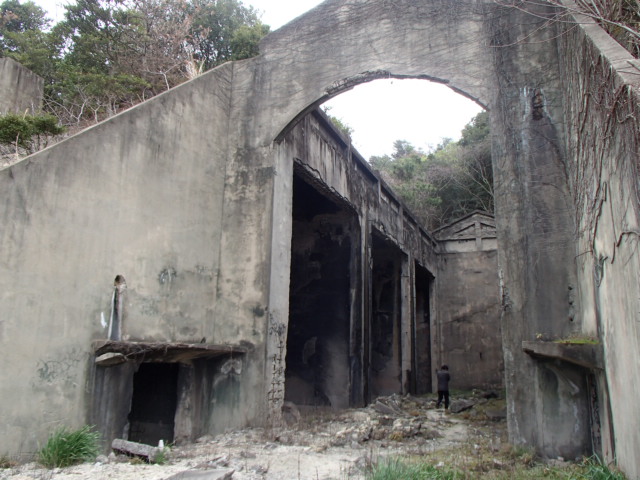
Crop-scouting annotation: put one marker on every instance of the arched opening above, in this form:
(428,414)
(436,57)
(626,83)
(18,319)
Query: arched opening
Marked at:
(364,318)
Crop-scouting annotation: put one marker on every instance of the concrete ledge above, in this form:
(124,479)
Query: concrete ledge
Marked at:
(219,474)
(585,355)
(109,352)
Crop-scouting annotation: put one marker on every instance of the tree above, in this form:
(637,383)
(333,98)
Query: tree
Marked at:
(27,132)
(16,17)
(447,183)
(23,37)
(246,40)
(215,30)
(116,53)
(108,55)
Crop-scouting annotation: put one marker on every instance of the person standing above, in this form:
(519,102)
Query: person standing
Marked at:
(443,386)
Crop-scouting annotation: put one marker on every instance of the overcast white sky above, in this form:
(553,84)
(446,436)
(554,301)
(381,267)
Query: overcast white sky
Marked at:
(379,112)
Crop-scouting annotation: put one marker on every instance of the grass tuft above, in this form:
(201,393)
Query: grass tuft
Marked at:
(594,469)
(69,447)
(6,462)
(397,469)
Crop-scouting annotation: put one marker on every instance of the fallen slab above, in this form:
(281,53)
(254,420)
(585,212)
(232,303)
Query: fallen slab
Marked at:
(149,453)
(219,474)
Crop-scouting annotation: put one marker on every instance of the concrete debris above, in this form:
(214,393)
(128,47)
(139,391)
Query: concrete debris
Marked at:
(110,359)
(202,475)
(461,405)
(496,414)
(329,444)
(290,413)
(147,452)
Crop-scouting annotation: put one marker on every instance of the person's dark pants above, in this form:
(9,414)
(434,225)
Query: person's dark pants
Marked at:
(443,394)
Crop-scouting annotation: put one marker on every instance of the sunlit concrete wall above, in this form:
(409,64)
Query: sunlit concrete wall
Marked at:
(20,88)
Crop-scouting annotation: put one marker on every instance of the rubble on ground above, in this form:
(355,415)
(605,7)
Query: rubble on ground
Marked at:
(315,443)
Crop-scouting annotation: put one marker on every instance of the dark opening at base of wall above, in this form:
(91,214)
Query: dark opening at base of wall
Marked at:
(153,405)
(319,361)
(386,316)
(147,392)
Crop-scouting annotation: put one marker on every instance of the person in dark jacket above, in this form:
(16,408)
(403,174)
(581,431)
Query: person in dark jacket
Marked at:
(443,386)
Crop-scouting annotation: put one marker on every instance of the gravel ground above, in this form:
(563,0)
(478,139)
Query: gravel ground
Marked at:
(316,445)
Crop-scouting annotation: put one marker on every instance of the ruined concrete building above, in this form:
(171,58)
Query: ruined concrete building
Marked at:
(190,264)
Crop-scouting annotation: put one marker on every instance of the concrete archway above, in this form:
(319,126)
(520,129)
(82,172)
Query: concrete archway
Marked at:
(476,49)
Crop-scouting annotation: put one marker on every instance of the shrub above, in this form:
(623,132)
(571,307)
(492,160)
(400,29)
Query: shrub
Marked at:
(66,447)
(22,130)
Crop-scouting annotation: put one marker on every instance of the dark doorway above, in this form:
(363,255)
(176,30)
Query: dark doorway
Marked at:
(153,405)
(422,330)
(318,340)
(386,314)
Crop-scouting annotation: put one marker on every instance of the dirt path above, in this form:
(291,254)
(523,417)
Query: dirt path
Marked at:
(317,445)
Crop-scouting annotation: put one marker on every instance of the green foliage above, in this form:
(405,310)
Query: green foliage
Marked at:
(396,469)
(16,17)
(246,39)
(340,125)
(453,180)
(23,130)
(213,32)
(107,55)
(22,35)
(163,457)
(337,122)
(68,447)
(15,129)
(578,340)
(594,469)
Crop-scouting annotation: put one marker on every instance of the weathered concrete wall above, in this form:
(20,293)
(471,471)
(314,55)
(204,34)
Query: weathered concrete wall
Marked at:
(141,196)
(324,158)
(20,89)
(469,336)
(602,91)
(469,333)
(535,225)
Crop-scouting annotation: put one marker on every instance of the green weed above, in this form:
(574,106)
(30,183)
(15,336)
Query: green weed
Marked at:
(578,340)
(397,469)
(68,447)
(162,458)
(6,462)
(594,469)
